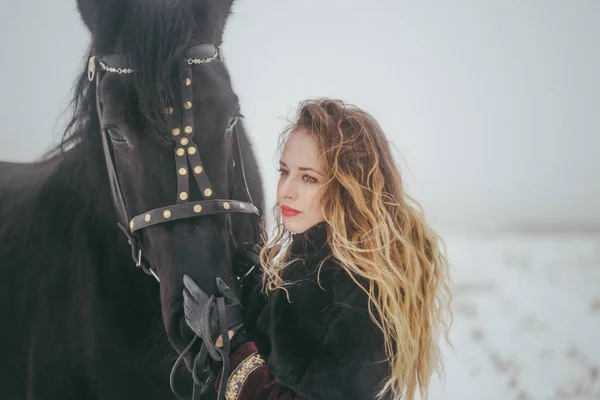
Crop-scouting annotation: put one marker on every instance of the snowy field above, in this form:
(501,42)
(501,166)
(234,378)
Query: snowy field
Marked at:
(527,318)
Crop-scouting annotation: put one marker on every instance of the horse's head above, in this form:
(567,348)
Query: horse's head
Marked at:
(173,141)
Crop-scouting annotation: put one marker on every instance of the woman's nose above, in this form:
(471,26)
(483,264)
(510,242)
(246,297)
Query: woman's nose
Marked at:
(287,189)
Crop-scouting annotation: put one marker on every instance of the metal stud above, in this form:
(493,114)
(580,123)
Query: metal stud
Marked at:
(183,196)
(180,152)
(187,129)
(131,224)
(188,81)
(169,110)
(242,206)
(207,192)
(147,218)
(197,208)
(198,170)
(184,141)
(226,205)
(182,171)
(191,150)
(167,214)
(187,105)
(176,131)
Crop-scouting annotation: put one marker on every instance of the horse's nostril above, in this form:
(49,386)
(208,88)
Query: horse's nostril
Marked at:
(176,330)
(184,339)
(186,334)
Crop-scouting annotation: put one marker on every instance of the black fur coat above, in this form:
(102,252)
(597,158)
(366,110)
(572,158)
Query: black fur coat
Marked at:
(321,343)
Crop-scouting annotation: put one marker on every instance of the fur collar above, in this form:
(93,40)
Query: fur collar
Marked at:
(311,242)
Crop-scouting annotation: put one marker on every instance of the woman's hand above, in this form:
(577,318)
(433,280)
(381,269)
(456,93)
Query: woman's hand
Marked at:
(210,316)
(219,341)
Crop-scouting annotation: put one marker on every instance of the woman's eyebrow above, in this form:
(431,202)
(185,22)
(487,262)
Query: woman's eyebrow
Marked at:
(310,169)
(283,164)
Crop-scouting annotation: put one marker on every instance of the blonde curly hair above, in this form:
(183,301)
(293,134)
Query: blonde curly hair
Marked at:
(378,233)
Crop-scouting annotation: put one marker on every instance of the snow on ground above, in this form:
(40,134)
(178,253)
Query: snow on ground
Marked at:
(527,318)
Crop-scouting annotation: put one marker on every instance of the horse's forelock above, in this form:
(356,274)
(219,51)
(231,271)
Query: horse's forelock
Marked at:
(153,35)
(155,53)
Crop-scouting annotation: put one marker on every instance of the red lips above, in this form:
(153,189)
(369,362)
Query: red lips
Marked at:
(289,211)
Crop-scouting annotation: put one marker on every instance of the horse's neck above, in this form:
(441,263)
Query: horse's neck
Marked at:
(89,249)
(83,180)
(68,283)
(61,229)
(127,299)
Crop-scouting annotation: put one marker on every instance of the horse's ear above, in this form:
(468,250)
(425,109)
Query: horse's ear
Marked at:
(87,11)
(214,13)
(225,9)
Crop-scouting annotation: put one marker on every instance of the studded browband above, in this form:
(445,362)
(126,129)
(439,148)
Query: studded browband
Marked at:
(187,159)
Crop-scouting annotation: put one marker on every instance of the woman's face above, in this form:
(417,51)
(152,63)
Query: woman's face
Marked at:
(299,189)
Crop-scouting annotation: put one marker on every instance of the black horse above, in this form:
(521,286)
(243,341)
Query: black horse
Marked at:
(155,144)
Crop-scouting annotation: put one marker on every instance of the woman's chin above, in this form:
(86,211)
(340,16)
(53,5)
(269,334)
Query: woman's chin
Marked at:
(296,228)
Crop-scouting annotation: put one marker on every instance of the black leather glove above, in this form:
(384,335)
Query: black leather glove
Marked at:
(211,316)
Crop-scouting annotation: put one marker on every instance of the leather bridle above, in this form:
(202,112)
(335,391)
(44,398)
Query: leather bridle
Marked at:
(188,163)
(187,160)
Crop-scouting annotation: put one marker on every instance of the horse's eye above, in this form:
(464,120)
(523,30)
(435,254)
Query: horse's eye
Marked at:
(115,135)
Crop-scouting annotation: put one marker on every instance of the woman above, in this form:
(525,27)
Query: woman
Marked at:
(354,285)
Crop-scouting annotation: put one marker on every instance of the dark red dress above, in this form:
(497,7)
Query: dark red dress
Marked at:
(250,378)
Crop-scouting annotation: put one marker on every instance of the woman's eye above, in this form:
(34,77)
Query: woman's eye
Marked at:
(309,179)
(282,172)
(115,135)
